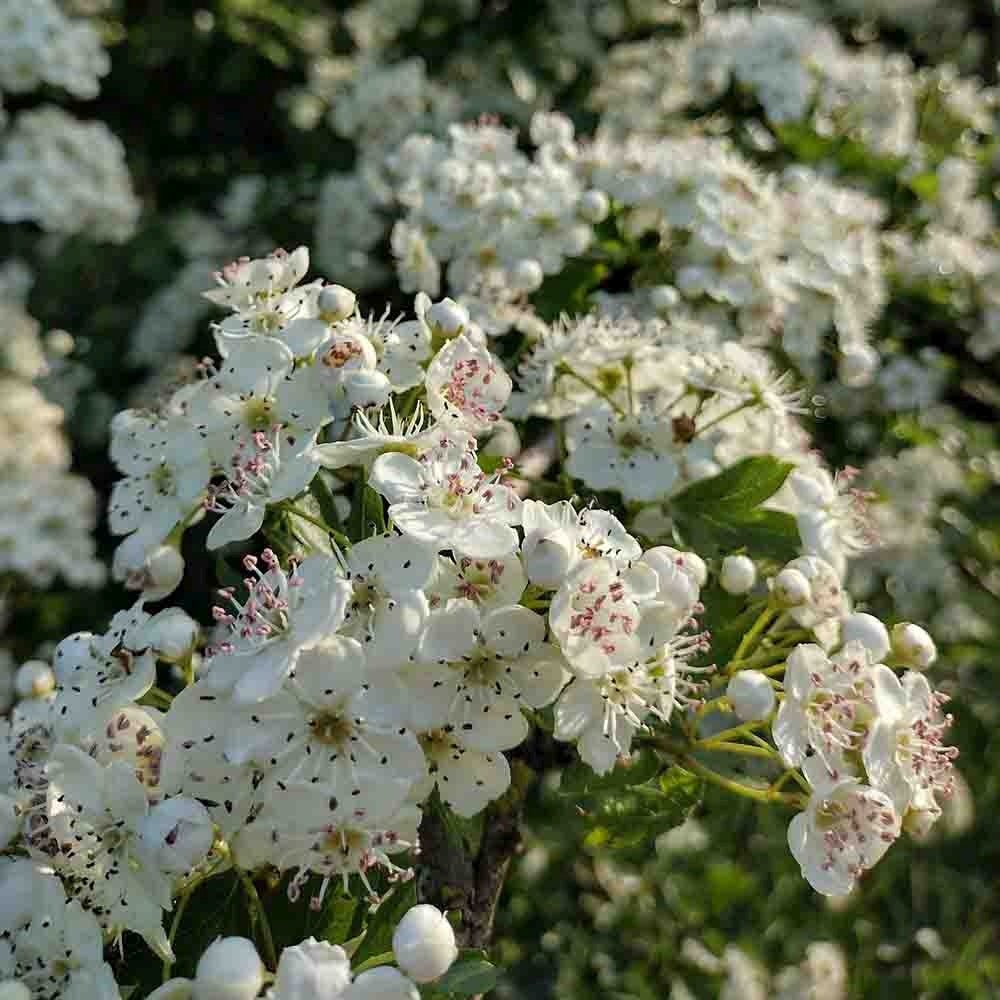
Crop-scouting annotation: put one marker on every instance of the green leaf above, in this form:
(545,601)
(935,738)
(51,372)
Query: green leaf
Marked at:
(738,489)
(635,816)
(378,934)
(579,780)
(722,514)
(470,975)
(568,291)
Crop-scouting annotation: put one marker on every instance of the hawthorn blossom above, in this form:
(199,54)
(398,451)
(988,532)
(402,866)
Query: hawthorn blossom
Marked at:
(444,500)
(283,614)
(822,708)
(467,383)
(475,670)
(845,829)
(904,754)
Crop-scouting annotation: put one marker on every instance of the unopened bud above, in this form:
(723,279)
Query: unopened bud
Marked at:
(34,679)
(867,630)
(381,983)
(663,297)
(548,557)
(526,275)
(791,589)
(424,943)
(447,317)
(172,633)
(335,303)
(312,969)
(738,575)
(179,831)
(594,206)
(751,694)
(230,969)
(913,646)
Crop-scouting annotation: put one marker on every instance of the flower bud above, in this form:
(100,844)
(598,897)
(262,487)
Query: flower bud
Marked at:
(738,575)
(751,694)
(230,969)
(526,275)
(424,943)
(663,297)
(157,573)
(172,633)
(447,317)
(548,557)
(12,989)
(336,303)
(381,983)
(34,679)
(367,388)
(913,646)
(594,206)
(311,970)
(791,588)
(857,366)
(867,630)
(179,831)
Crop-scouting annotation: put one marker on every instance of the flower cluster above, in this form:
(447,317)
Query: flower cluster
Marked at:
(405,644)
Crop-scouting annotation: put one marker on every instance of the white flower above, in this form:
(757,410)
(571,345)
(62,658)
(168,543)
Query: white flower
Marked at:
(329,726)
(467,383)
(846,828)
(821,708)
(98,674)
(595,614)
(262,471)
(556,537)
(631,454)
(476,670)
(825,600)
(96,816)
(489,583)
(602,713)
(424,943)
(256,391)
(904,753)
(166,468)
(444,500)
(247,284)
(51,944)
(300,827)
(283,614)
(387,609)
(312,970)
(346,370)
(467,780)
(373,439)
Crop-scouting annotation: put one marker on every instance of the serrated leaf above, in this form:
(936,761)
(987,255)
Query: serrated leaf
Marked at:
(635,816)
(738,489)
(468,977)
(579,780)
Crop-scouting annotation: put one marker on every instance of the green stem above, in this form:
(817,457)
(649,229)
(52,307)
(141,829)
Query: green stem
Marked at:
(747,642)
(724,416)
(738,731)
(592,386)
(182,902)
(765,795)
(739,748)
(258,917)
